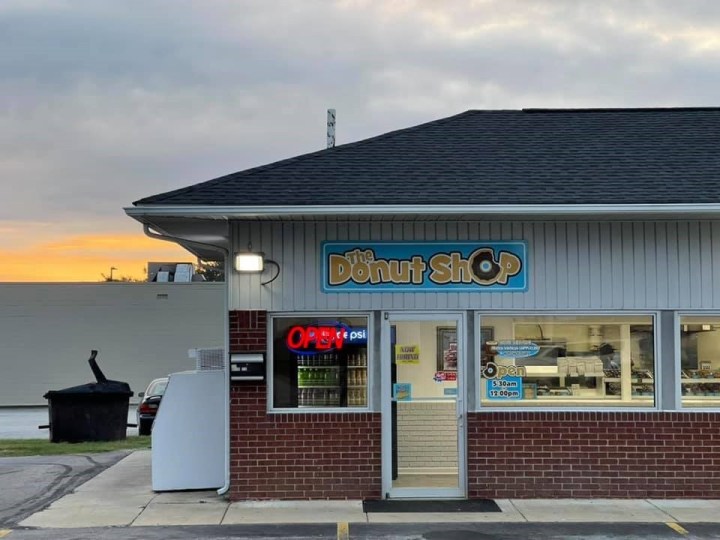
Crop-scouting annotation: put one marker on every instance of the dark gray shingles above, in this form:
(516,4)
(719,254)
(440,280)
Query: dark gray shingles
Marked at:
(618,156)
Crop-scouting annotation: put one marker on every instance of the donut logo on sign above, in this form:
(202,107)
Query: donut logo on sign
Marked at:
(487,271)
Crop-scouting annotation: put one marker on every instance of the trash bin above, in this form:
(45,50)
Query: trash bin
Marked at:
(90,412)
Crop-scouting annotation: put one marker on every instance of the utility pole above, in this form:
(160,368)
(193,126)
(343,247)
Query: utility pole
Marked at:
(331,128)
(112,268)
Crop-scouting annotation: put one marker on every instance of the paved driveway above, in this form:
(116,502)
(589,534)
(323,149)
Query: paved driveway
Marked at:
(30,484)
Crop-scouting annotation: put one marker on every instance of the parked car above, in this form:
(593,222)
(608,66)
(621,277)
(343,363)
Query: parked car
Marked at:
(148,407)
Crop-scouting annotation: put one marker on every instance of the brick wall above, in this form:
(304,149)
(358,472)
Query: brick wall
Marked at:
(295,456)
(248,331)
(586,454)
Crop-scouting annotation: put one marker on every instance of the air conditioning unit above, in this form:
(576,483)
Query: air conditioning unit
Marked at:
(211,359)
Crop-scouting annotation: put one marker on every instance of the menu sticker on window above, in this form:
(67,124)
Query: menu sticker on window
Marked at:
(445,376)
(505,389)
(402,391)
(517,349)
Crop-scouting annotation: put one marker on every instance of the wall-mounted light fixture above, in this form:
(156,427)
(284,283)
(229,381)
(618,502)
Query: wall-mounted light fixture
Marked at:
(253,262)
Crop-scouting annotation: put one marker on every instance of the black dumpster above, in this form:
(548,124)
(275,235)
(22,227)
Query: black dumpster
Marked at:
(90,412)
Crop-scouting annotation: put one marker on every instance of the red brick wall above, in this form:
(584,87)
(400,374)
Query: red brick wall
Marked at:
(296,456)
(248,331)
(510,454)
(587,454)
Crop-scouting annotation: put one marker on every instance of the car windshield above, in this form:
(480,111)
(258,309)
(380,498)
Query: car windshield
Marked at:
(156,388)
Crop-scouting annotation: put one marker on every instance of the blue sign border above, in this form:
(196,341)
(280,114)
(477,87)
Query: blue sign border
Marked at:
(517,283)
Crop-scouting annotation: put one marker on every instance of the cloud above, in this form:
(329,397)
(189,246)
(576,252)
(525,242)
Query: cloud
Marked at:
(102,103)
(86,258)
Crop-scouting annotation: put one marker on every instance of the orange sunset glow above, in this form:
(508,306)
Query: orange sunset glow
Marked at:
(87,258)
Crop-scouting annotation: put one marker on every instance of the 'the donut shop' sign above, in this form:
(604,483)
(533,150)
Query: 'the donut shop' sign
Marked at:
(424,266)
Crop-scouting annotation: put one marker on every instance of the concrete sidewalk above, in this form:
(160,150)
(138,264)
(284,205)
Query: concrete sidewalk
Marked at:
(122,496)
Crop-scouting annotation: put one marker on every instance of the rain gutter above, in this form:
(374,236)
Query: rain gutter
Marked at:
(226,334)
(226,212)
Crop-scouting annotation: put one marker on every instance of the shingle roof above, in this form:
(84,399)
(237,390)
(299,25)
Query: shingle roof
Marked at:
(532,156)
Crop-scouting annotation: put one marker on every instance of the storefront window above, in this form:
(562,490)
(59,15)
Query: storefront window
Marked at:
(320,362)
(573,361)
(700,361)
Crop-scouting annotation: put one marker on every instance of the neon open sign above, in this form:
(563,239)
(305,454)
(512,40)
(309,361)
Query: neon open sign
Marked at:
(308,339)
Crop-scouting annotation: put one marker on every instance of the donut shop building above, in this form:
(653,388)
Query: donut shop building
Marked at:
(498,304)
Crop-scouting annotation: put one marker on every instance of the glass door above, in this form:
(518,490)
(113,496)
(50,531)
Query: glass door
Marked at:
(423,405)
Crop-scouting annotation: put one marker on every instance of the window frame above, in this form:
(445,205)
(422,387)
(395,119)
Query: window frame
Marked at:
(657,375)
(271,409)
(678,315)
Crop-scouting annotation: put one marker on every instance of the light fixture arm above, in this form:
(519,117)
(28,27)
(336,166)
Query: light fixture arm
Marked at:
(277,271)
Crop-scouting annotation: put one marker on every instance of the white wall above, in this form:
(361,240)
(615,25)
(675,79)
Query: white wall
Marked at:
(427,436)
(424,335)
(141,330)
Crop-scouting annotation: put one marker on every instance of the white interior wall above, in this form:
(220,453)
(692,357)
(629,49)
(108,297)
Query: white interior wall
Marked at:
(141,330)
(423,334)
(427,436)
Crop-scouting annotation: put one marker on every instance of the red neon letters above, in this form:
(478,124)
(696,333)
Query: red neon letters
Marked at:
(310,337)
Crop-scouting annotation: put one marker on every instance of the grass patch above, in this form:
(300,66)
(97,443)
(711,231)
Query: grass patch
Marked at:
(43,447)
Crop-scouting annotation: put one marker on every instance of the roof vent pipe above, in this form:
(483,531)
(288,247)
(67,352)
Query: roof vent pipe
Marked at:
(331,128)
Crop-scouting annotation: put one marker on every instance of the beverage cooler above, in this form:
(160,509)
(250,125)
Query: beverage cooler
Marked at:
(320,363)
(332,379)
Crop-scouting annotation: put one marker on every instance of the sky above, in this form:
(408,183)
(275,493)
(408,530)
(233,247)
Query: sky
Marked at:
(105,102)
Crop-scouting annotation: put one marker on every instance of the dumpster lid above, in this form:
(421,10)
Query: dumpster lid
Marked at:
(102,386)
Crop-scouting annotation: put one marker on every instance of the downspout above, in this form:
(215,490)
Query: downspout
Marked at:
(228,268)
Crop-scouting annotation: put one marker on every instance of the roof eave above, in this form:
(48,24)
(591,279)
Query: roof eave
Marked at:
(481,211)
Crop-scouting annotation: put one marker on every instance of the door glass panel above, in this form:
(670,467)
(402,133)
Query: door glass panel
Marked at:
(424,359)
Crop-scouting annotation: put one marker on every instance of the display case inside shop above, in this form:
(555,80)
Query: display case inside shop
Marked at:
(700,361)
(320,363)
(568,360)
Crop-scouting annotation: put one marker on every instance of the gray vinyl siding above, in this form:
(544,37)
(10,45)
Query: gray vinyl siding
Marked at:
(573,265)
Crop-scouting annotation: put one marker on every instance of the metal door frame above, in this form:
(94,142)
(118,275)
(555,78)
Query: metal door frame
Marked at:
(390,317)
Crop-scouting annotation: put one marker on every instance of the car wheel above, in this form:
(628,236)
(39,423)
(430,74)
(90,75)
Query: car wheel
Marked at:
(144,427)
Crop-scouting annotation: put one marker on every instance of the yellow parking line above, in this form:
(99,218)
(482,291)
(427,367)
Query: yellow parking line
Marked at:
(676,527)
(343,531)
(4,532)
